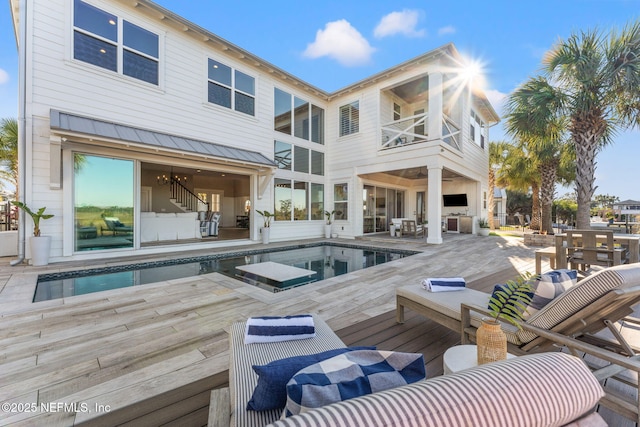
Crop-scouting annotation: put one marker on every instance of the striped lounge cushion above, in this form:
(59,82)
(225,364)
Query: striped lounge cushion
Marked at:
(545,389)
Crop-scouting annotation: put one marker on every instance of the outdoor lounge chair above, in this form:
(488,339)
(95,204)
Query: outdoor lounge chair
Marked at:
(115,226)
(409,228)
(571,320)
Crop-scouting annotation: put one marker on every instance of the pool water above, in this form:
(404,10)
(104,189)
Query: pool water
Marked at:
(324,260)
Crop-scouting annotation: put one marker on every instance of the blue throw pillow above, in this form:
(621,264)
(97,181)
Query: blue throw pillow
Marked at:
(271,391)
(351,375)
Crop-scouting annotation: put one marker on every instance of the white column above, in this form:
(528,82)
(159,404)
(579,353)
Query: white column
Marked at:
(434,203)
(435,106)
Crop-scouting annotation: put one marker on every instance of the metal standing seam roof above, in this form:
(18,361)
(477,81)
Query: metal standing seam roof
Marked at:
(73,123)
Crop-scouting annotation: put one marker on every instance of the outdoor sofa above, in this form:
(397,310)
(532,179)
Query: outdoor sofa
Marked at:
(547,389)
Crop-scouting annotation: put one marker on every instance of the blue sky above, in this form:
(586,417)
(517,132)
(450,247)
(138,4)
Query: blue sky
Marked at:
(331,44)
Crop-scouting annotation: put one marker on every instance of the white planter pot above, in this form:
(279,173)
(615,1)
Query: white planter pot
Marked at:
(392,230)
(40,247)
(327,231)
(265,234)
(483,231)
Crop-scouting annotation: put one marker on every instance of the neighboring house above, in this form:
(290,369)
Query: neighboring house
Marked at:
(133,114)
(627,207)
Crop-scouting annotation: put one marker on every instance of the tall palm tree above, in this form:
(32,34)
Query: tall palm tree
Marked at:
(497,154)
(600,81)
(532,117)
(9,151)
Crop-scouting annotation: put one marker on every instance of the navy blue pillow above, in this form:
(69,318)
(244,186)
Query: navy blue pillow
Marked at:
(271,391)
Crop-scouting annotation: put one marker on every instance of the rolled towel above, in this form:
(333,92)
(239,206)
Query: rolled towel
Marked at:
(274,329)
(444,284)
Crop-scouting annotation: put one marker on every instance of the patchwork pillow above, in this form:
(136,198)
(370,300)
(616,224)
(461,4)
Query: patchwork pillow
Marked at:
(350,375)
(548,286)
(271,391)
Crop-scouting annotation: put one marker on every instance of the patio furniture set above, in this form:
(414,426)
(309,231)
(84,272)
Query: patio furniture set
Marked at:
(572,321)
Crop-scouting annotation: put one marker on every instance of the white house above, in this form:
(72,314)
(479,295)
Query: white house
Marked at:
(132,119)
(631,208)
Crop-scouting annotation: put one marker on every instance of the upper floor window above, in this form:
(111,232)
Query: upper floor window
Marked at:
(298,159)
(104,40)
(298,117)
(231,88)
(350,118)
(477,129)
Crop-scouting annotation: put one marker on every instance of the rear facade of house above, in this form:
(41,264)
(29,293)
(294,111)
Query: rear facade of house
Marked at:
(139,128)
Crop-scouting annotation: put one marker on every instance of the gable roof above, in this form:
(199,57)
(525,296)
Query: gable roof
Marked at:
(67,123)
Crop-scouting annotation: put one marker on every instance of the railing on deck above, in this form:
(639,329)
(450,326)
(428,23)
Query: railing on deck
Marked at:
(413,130)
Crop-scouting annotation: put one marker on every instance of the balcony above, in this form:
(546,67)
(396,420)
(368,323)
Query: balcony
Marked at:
(412,130)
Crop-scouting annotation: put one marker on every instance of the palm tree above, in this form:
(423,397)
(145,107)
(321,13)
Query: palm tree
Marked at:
(519,173)
(599,78)
(497,154)
(9,151)
(532,117)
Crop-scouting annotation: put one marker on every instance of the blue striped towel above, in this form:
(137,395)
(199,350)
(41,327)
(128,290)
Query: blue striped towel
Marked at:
(274,329)
(444,284)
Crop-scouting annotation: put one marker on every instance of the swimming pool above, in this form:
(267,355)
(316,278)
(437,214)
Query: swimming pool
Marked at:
(308,263)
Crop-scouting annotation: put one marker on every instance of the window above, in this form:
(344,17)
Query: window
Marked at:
(306,119)
(397,112)
(341,201)
(299,162)
(282,207)
(282,155)
(350,118)
(103,214)
(317,201)
(317,163)
(230,88)
(301,159)
(97,40)
(476,129)
(298,200)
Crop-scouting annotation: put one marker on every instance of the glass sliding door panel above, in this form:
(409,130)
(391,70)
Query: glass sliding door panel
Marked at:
(391,205)
(381,209)
(103,190)
(368,200)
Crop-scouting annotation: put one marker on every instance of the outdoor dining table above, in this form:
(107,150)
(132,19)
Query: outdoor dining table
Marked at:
(630,243)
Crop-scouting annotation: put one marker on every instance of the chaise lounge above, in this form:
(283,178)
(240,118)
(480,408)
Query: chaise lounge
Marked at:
(571,320)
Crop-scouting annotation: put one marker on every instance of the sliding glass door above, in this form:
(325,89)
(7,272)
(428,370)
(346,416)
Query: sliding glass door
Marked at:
(103,191)
(380,204)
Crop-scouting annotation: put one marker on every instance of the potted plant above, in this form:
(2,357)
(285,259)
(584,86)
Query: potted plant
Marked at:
(483,223)
(507,302)
(40,245)
(327,227)
(266,215)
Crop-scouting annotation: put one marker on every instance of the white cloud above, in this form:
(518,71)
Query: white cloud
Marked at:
(340,41)
(497,99)
(404,22)
(4,76)
(449,29)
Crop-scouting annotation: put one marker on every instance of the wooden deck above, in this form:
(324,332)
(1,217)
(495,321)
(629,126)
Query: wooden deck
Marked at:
(149,355)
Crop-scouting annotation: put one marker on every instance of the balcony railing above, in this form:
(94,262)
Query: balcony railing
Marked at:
(413,130)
